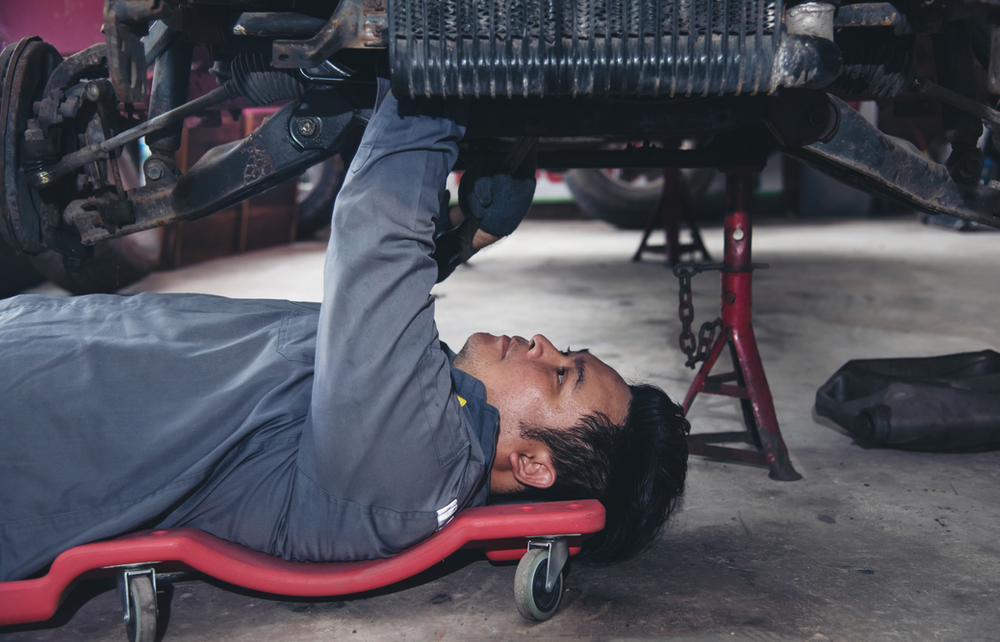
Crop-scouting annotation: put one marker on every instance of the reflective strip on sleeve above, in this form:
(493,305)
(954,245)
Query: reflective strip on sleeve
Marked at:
(445,514)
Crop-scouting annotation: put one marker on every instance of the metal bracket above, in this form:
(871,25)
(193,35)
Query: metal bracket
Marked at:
(125,585)
(126,56)
(356,24)
(558,547)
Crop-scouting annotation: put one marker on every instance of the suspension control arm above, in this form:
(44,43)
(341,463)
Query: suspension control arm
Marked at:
(298,136)
(862,155)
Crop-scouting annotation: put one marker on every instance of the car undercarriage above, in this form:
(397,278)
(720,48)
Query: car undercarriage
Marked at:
(600,83)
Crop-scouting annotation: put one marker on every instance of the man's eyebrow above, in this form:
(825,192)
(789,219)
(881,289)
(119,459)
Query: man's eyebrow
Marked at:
(581,368)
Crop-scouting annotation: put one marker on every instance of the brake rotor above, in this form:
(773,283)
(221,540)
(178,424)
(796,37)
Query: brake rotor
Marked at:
(26,67)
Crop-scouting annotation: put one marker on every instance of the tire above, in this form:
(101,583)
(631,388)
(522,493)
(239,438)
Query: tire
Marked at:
(141,626)
(608,197)
(318,189)
(627,200)
(533,601)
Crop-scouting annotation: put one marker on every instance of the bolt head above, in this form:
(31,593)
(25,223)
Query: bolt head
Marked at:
(94,91)
(307,126)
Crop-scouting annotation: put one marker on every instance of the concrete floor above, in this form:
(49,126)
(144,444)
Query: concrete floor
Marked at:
(870,545)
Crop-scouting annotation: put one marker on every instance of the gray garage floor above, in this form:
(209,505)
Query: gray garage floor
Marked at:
(870,545)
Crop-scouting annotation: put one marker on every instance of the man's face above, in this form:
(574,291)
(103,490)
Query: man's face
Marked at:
(534,384)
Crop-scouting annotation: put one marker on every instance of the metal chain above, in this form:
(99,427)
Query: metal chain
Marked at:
(684,272)
(695,350)
(706,339)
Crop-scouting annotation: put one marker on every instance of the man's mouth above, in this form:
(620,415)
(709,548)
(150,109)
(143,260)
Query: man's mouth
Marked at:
(504,345)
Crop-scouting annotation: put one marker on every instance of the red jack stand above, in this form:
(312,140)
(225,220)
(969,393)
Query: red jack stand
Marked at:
(669,211)
(750,384)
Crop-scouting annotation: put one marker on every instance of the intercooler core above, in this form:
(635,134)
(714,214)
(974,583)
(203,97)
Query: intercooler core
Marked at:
(612,48)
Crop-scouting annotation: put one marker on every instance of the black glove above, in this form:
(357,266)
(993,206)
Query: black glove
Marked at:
(454,247)
(492,199)
(496,198)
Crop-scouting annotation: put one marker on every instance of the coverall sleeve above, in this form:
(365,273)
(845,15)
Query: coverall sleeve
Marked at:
(385,429)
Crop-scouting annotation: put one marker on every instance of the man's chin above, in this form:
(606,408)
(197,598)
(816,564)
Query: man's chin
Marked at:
(475,355)
(465,356)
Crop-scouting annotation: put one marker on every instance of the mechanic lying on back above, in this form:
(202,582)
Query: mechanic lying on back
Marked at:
(337,432)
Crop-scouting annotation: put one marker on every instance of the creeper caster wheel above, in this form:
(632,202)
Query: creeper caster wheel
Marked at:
(538,583)
(138,593)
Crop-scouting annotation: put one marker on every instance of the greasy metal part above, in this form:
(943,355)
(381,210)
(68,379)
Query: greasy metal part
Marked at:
(89,63)
(158,166)
(47,175)
(564,47)
(973,107)
(749,384)
(806,62)
(119,212)
(260,83)
(139,10)
(993,76)
(883,70)
(861,155)
(229,174)
(170,87)
(354,24)
(955,68)
(155,42)
(875,14)
(810,19)
(801,117)
(277,23)
(126,54)
(307,127)
(327,72)
(552,48)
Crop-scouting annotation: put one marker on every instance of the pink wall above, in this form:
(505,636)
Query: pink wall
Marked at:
(70,25)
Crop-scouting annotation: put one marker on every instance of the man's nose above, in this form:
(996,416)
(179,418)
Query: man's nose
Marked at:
(541,348)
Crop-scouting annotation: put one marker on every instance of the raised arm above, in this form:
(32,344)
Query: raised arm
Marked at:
(385,429)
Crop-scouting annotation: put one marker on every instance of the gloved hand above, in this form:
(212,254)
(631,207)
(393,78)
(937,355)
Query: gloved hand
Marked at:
(454,247)
(496,198)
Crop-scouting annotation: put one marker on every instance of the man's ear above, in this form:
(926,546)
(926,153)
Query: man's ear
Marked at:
(533,468)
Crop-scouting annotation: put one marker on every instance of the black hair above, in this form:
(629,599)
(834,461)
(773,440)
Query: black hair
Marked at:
(636,470)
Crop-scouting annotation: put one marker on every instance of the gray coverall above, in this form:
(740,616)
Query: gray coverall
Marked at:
(311,432)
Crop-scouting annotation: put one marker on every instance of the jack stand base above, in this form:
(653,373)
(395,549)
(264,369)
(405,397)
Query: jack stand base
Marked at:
(747,381)
(670,211)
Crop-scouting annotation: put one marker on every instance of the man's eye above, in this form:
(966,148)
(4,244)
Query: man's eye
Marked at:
(560,375)
(566,352)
